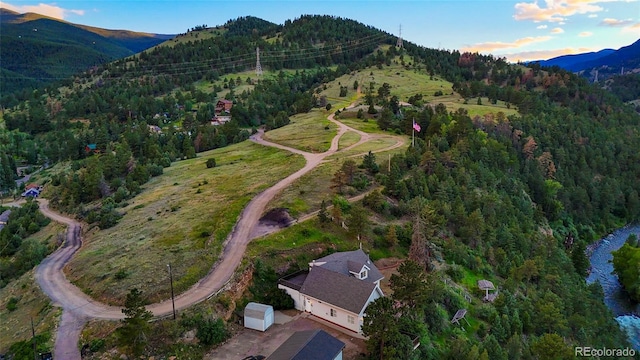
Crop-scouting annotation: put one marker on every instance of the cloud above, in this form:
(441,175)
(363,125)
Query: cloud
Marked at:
(585,34)
(43,9)
(615,22)
(635,28)
(488,47)
(544,54)
(557,30)
(555,10)
(591,16)
(541,27)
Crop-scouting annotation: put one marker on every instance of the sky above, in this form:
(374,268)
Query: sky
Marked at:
(517,30)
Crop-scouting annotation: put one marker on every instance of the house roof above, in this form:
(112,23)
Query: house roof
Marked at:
(340,290)
(343,262)
(31,192)
(4,217)
(92,146)
(257,311)
(486,285)
(308,345)
(225,101)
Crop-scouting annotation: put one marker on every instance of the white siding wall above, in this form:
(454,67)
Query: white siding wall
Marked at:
(255,324)
(323,310)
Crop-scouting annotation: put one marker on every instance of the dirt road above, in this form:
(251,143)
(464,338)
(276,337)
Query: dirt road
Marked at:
(78,307)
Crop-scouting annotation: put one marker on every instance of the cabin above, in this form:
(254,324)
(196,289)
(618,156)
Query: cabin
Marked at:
(309,345)
(258,316)
(33,192)
(336,288)
(224,105)
(220,119)
(91,148)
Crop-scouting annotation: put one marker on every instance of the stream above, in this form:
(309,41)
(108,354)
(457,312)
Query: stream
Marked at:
(627,313)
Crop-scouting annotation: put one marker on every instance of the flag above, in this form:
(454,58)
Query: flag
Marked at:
(416,127)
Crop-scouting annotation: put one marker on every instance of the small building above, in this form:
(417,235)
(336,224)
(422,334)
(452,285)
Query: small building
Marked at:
(33,192)
(309,345)
(224,105)
(258,316)
(4,217)
(220,119)
(91,148)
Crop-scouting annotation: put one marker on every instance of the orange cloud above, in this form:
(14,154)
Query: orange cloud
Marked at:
(585,34)
(557,30)
(555,11)
(43,9)
(615,22)
(544,54)
(635,28)
(491,46)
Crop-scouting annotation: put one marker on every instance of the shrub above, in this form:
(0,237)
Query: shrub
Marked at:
(211,332)
(12,304)
(211,163)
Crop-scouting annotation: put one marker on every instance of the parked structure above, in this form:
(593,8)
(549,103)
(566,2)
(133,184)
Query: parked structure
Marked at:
(337,288)
(309,345)
(258,316)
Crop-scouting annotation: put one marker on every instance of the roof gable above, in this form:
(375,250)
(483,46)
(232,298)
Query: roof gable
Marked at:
(340,290)
(347,262)
(308,345)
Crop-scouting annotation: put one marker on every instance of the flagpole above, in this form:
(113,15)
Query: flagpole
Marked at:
(413,133)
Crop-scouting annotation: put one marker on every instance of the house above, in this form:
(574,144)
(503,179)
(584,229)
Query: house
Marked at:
(33,192)
(155,129)
(258,316)
(4,217)
(337,288)
(220,119)
(224,105)
(309,345)
(91,148)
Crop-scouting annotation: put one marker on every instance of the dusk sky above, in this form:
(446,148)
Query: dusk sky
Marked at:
(517,30)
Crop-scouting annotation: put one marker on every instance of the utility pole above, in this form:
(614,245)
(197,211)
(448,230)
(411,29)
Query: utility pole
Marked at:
(173,303)
(258,66)
(33,335)
(399,42)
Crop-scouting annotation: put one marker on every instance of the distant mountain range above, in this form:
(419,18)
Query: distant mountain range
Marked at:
(607,62)
(36,49)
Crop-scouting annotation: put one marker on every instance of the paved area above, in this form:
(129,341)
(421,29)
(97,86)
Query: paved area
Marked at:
(253,342)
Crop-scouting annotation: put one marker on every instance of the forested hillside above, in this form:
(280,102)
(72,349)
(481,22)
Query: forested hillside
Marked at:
(37,50)
(514,199)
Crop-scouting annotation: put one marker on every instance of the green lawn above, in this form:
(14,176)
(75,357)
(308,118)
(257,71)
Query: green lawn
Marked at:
(182,218)
(310,132)
(371,145)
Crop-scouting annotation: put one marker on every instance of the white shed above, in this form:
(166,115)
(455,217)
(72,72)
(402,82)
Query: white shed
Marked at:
(258,316)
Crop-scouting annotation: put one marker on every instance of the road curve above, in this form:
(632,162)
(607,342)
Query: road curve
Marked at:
(79,308)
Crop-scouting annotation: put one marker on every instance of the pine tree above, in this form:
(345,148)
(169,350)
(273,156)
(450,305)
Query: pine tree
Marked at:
(133,333)
(323,215)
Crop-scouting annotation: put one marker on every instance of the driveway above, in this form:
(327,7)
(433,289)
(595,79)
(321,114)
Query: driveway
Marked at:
(252,342)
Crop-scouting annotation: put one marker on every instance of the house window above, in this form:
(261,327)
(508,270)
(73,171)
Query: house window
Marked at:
(351,319)
(334,313)
(364,274)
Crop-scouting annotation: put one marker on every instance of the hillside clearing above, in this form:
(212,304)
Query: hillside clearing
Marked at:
(310,132)
(182,218)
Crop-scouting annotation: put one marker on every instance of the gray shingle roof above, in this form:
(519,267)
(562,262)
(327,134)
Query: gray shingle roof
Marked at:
(344,261)
(343,291)
(256,311)
(308,345)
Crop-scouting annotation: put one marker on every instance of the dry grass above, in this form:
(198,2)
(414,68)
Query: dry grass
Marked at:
(310,132)
(182,218)
(371,145)
(347,139)
(32,302)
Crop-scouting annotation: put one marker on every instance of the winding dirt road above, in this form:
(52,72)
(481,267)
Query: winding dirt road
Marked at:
(78,308)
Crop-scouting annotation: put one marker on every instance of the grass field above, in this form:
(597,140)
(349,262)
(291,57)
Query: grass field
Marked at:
(454,102)
(310,132)
(182,218)
(32,303)
(347,139)
(373,145)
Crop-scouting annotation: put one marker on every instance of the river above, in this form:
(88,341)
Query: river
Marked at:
(627,313)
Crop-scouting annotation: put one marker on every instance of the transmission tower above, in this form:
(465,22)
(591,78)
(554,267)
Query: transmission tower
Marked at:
(399,43)
(258,66)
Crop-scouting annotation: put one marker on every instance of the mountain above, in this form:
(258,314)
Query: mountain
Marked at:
(607,62)
(37,49)
(573,62)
